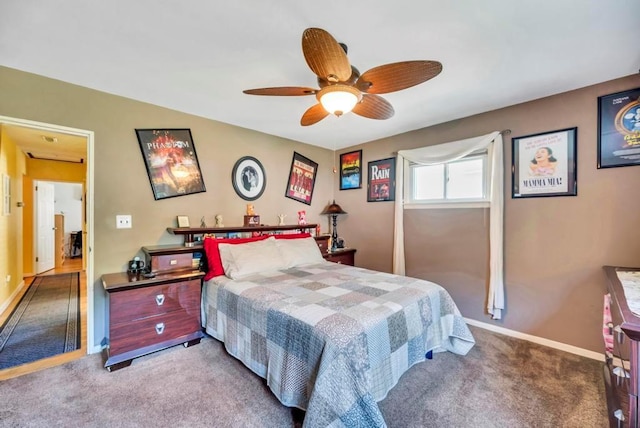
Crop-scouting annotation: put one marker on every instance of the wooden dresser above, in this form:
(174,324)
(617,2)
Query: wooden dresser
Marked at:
(146,315)
(622,356)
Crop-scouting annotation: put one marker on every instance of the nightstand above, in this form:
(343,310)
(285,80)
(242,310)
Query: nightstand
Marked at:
(343,256)
(150,314)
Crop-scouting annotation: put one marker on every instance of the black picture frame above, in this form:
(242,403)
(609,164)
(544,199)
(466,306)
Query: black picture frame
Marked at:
(351,170)
(302,179)
(248,178)
(545,164)
(381,180)
(171,162)
(619,129)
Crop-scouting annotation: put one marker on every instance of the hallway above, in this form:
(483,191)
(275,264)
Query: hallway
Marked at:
(70,265)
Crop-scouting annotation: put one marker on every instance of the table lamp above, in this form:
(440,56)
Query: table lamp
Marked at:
(334,210)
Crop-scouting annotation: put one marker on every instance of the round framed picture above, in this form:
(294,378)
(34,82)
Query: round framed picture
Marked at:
(248,178)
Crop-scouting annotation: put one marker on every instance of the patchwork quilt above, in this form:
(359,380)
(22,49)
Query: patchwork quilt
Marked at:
(332,339)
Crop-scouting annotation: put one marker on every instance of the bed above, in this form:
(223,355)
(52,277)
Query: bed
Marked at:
(328,338)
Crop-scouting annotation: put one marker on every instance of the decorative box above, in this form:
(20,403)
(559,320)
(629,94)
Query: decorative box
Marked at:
(252,220)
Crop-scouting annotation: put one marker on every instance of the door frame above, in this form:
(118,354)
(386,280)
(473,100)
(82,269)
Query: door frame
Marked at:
(88,252)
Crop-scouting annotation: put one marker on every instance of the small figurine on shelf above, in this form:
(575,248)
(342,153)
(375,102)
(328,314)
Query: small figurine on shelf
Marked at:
(219,220)
(302,217)
(250,210)
(202,222)
(281,219)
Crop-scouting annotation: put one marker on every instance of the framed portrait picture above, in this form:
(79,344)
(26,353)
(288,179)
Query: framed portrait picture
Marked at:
(351,170)
(171,161)
(381,180)
(248,178)
(545,164)
(302,179)
(619,129)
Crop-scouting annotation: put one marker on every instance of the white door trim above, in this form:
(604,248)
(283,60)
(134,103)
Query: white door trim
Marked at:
(90,136)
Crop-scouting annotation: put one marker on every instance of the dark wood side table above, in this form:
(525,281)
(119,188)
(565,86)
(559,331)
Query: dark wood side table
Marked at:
(146,315)
(344,256)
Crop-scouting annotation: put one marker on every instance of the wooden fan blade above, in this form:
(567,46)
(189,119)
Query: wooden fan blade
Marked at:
(325,56)
(313,115)
(374,107)
(282,91)
(399,75)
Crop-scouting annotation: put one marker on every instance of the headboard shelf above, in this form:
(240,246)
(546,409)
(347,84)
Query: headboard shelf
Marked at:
(190,232)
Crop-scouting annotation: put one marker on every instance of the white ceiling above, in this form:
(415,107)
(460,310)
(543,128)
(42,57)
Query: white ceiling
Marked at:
(198,56)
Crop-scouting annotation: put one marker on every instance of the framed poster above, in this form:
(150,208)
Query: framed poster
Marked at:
(351,170)
(381,180)
(248,178)
(545,164)
(171,161)
(619,129)
(302,178)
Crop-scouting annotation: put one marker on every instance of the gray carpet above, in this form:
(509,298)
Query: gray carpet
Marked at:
(502,382)
(46,321)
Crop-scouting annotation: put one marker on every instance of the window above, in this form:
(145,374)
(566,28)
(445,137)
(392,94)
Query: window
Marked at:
(463,182)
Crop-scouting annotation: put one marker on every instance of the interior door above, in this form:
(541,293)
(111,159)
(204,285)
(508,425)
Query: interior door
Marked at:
(45,226)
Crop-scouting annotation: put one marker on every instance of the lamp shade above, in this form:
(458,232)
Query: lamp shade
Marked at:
(339,99)
(333,209)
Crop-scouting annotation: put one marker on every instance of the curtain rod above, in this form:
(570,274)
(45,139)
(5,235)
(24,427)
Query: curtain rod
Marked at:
(503,132)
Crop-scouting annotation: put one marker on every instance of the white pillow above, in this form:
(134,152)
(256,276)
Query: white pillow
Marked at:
(241,260)
(300,251)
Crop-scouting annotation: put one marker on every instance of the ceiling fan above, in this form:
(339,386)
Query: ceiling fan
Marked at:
(342,87)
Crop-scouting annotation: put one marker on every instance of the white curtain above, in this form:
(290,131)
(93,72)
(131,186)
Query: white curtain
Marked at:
(448,152)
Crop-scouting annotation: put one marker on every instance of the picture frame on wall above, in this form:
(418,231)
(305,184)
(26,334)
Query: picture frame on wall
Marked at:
(619,129)
(545,164)
(183,221)
(302,179)
(171,162)
(6,194)
(381,180)
(248,178)
(351,170)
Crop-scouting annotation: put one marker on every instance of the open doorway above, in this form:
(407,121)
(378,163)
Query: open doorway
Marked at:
(58,229)
(44,142)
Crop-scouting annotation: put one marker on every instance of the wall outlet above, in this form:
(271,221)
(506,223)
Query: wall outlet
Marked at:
(8,279)
(123,222)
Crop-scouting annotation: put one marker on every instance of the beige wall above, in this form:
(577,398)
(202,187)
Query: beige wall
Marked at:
(554,247)
(121,182)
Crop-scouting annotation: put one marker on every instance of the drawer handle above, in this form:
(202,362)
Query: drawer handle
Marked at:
(173,262)
(160,328)
(160,299)
(618,330)
(620,374)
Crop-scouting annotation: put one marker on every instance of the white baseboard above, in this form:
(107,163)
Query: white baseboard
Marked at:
(6,304)
(539,340)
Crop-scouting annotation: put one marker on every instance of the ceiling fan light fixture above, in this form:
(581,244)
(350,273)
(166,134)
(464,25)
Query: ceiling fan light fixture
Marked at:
(339,99)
